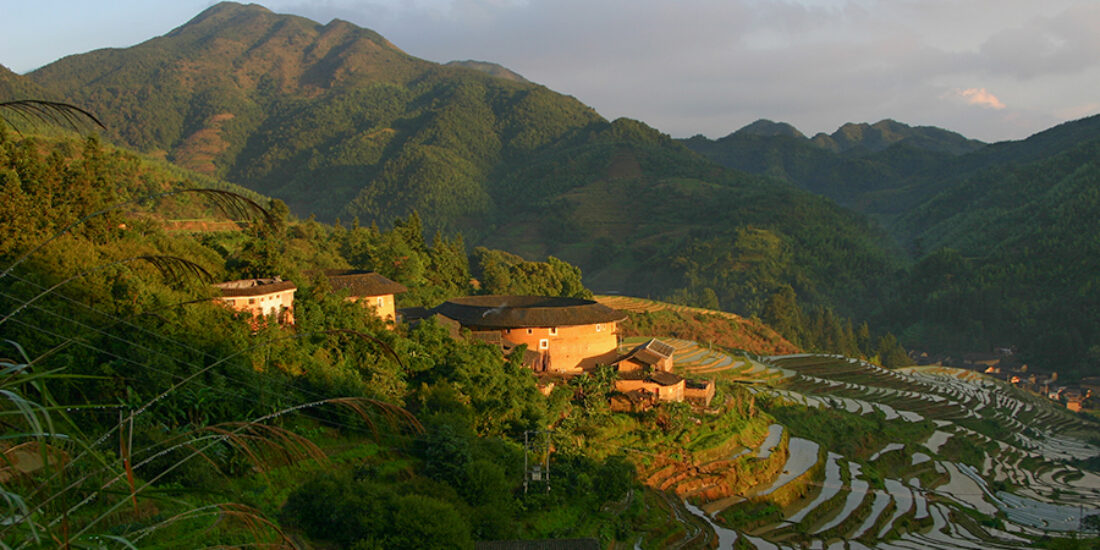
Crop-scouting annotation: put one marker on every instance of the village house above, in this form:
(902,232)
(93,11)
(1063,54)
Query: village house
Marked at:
(563,335)
(647,369)
(699,391)
(369,289)
(262,298)
(666,386)
(650,355)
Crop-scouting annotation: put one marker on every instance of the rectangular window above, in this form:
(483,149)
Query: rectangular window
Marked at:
(251,300)
(544,343)
(530,331)
(599,328)
(553,331)
(381,301)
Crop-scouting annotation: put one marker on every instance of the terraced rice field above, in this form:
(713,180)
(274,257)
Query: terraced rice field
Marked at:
(632,304)
(695,360)
(911,495)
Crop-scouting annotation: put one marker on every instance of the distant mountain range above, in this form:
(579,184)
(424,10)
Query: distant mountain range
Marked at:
(337,121)
(863,138)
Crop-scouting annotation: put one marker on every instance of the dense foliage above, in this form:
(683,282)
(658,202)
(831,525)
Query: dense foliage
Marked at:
(334,120)
(344,125)
(421,431)
(1000,238)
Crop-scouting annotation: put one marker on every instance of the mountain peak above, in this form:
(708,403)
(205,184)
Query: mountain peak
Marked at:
(221,13)
(765,127)
(863,138)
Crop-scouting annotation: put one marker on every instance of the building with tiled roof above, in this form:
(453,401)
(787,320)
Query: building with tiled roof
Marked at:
(367,288)
(570,335)
(264,297)
(666,386)
(650,355)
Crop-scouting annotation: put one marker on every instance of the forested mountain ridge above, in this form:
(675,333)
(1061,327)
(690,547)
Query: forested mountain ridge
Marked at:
(14,85)
(1002,236)
(863,138)
(1008,252)
(863,166)
(334,120)
(337,121)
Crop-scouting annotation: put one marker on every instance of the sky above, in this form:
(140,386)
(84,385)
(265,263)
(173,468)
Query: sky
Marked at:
(989,69)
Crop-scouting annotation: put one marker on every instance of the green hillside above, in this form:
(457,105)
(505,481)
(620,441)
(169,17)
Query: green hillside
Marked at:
(336,121)
(1002,236)
(332,119)
(863,138)
(868,167)
(1021,255)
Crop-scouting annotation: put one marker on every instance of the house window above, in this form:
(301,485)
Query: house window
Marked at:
(251,301)
(530,331)
(544,343)
(599,328)
(381,301)
(553,331)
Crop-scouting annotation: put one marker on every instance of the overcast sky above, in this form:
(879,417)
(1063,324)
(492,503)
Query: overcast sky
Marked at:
(990,69)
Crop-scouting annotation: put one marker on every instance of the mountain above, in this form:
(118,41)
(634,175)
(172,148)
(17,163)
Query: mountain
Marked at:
(764,127)
(15,86)
(866,138)
(866,182)
(1010,250)
(487,67)
(335,120)
(1001,235)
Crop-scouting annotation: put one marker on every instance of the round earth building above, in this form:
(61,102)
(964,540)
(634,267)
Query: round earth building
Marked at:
(571,335)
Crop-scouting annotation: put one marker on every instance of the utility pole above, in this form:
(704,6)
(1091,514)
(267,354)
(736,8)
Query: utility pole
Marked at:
(536,469)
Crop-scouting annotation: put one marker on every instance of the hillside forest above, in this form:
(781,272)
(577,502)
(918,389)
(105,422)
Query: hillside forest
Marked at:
(953,245)
(138,412)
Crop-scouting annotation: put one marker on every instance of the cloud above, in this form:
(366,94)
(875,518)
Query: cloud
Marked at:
(980,97)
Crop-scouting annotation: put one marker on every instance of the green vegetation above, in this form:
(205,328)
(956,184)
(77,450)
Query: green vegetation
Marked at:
(1000,236)
(378,135)
(163,419)
(854,436)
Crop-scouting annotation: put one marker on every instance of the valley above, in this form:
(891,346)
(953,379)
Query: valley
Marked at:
(731,367)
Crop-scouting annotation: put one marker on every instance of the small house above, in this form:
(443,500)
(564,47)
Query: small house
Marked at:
(699,391)
(263,298)
(666,386)
(369,289)
(653,355)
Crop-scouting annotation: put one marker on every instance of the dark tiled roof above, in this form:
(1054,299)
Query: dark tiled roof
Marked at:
(660,378)
(526,311)
(666,378)
(415,313)
(361,283)
(253,287)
